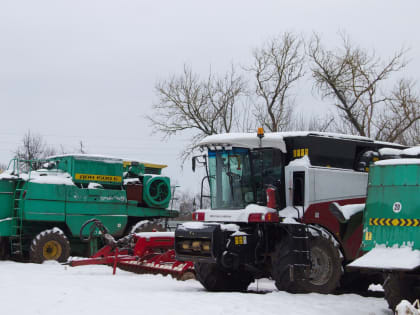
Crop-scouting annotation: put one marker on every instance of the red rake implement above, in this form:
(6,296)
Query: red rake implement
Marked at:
(149,252)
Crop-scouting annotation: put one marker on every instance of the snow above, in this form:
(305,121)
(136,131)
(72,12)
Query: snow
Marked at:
(8,174)
(291,212)
(155,234)
(51,289)
(95,186)
(303,161)
(98,157)
(290,221)
(106,159)
(6,219)
(406,308)
(41,176)
(192,225)
(376,288)
(382,257)
(273,139)
(131,181)
(389,151)
(48,177)
(139,225)
(398,162)
(200,225)
(350,210)
(413,151)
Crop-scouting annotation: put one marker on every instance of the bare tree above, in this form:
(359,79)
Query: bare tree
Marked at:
(322,123)
(206,107)
(33,148)
(356,80)
(3,167)
(277,67)
(82,147)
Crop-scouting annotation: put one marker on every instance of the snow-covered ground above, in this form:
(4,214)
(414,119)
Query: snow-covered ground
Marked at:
(54,289)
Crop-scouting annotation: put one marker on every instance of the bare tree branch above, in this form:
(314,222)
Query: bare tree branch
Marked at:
(355,78)
(277,66)
(205,106)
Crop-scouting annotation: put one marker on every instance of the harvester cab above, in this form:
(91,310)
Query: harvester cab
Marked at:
(269,210)
(391,224)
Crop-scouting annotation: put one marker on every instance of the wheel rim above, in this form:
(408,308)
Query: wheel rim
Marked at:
(52,250)
(321,267)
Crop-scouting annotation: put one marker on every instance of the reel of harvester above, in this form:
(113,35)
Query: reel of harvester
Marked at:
(148,252)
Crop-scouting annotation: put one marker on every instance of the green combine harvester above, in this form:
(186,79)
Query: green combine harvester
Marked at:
(42,210)
(391,230)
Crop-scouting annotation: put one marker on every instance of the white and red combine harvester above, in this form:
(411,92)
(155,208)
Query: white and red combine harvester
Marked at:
(277,209)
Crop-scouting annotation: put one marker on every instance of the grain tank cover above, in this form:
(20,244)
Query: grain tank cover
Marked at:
(85,168)
(392,215)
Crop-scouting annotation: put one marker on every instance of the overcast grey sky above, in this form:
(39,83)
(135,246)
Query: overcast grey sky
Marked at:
(85,70)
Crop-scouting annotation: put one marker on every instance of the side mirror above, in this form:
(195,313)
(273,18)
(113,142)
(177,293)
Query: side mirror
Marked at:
(193,163)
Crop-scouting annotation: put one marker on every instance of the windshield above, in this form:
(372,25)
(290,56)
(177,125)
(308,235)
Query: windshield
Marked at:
(237,177)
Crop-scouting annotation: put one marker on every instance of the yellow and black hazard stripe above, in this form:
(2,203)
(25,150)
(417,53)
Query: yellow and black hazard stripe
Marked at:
(394,222)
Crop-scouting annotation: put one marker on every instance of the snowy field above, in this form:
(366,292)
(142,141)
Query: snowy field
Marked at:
(54,289)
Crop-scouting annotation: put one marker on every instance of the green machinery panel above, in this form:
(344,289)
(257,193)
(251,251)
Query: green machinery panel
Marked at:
(87,169)
(392,214)
(44,202)
(156,191)
(7,188)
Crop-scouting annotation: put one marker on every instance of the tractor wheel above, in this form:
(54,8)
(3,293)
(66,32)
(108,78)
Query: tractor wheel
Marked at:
(50,245)
(4,248)
(325,273)
(282,260)
(213,278)
(397,288)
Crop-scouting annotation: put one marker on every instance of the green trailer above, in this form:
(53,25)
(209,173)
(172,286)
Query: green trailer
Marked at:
(391,234)
(43,210)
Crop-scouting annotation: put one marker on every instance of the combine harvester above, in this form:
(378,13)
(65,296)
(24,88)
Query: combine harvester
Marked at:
(270,210)
(392,227)
(43,210)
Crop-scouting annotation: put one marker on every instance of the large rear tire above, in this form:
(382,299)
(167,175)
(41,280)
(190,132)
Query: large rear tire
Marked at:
(214,278)
(325,273)
(50,245)
(398,288)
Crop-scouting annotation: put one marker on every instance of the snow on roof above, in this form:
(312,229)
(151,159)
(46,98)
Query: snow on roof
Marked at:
(272,139)
(98,157)
(109,159)
(398,162)
(50,177)
(382,257)
(413,151)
